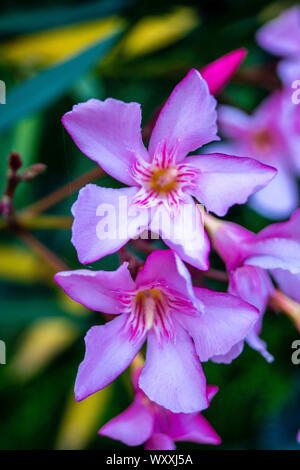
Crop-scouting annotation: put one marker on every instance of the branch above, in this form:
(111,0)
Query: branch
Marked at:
(281,302)
(45,222)
(14,178)
(63,192)
(55,263)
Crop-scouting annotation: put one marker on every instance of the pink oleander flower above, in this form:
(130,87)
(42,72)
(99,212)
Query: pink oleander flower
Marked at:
(291,125)
(249,256)
(289,73)
(162,181)
(281,37)
(184,326)
(288,279)
(289,283)
(145,422)
(267,135)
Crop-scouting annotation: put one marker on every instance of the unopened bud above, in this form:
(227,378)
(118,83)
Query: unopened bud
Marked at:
(15,161)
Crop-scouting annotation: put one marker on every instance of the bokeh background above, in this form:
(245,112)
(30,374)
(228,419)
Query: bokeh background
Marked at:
(52,57)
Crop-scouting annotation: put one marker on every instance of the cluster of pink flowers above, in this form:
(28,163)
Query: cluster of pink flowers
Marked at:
(272,133)
(183,325)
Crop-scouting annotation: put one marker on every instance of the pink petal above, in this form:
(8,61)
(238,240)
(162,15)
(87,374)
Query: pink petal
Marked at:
(267,114)
(276,246)
(231,240)
(104,221)
(212,390)
(290,119)
(232,354)
(298,437)
(192,428)
(226,321)
(218,73)
(256,343)
(160,441)
(289,71)
(184,232)
(173,376)
(188,119)
(133,426)
(289,229)
(289,283)
(271,253)
(234,123)
(225,180)
(267,202)
(109,352)
(251,284)
(109,133)
(281,35)
(96,290)
(166,267)
(243,128)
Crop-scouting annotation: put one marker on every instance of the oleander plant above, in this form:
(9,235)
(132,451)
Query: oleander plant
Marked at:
(150,263)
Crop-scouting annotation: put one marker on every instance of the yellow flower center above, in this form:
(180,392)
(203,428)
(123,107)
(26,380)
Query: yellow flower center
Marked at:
(163,180)
(148,302)
(263,140)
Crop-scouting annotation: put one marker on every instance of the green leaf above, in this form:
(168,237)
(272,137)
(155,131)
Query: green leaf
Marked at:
(49,85)
(39,19)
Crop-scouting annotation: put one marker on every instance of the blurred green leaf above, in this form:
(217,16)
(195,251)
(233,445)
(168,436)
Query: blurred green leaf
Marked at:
(37,19)
(14,315)
(49,85)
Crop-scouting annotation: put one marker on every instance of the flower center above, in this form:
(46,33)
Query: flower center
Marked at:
(263,140)
(153,308)
(150,309)
(163,180)
(149,303)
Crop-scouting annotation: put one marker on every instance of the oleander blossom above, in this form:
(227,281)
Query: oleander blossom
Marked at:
(271,135)
(281,37)
(183,327)
(163,182)
(145,422)
(250,258)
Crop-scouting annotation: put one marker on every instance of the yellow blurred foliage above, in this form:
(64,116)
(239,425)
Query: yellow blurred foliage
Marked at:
(271,11)
(56,45)
(155,32)
(70,305)
(43,341)
(82,420)
(20,265)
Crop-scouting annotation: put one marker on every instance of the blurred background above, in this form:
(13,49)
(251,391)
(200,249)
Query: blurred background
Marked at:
(52,57)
